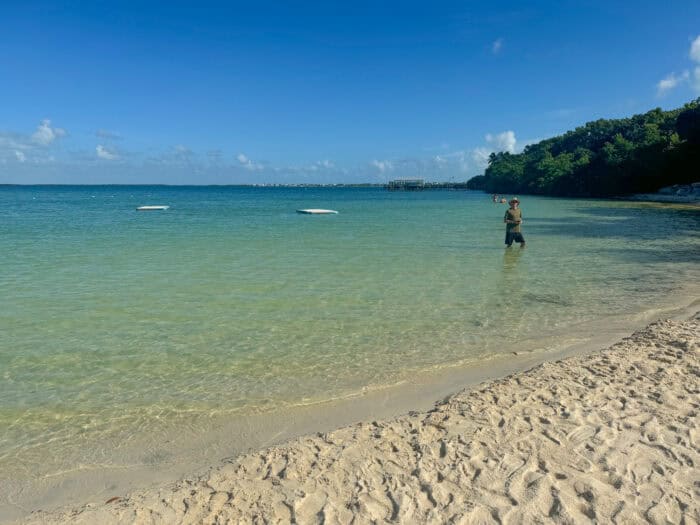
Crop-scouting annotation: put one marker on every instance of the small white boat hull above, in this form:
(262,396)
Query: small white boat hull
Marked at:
(317,211)
(152,208)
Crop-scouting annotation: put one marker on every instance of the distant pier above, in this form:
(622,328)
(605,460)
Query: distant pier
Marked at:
(420,185)
(406,185)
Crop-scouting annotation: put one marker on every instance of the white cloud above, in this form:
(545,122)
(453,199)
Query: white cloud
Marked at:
(182,150)
(673,80)
(454,165)
(14,141)
(106,154)
(695,50)
(248,163)
(695,57)
(28,148)
(504,141)
(497,46)
(182,155)
(382,165)
(461,159)
(670,82)
(45,134)
(320,165)
(480,156)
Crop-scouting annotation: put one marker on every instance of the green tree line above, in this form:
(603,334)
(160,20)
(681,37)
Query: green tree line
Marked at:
(604,158)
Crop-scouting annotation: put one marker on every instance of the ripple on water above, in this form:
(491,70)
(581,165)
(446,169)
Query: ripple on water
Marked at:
(118,327)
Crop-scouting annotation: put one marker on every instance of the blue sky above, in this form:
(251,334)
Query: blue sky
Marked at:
(271,92)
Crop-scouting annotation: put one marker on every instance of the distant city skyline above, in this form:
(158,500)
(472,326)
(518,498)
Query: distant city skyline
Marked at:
(229,93)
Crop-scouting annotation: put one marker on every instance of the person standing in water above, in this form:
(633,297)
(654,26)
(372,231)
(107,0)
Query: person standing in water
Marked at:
(513,219)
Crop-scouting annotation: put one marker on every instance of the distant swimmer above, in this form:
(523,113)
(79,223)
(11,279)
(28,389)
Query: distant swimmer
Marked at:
(503,201)
(513,219)
(495,198)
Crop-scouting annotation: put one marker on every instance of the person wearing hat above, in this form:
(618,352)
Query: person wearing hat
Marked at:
(513,219)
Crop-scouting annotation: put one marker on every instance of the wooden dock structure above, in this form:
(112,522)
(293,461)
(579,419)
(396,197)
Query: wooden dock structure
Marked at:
(406,185)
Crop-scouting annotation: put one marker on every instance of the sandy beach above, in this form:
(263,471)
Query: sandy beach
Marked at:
(608,437)
(488,311)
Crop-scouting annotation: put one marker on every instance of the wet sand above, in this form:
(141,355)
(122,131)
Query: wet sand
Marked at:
(611,436)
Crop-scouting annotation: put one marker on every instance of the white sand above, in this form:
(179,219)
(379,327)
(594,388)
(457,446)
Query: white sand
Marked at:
(611,437)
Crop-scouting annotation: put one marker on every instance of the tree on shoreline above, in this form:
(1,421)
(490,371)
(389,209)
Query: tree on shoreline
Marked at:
(604,158)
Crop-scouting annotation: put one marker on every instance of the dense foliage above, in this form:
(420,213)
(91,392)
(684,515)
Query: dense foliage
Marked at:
(604,158)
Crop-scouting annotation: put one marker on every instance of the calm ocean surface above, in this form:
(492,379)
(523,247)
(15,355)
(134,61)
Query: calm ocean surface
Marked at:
(115,322)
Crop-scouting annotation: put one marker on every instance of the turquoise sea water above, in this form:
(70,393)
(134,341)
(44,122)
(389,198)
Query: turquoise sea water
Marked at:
(115,322)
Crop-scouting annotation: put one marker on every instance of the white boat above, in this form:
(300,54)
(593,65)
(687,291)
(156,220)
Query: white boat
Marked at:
(152,208)
(317,211)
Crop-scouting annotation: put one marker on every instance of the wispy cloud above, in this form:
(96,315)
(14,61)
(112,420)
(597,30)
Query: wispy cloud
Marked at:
(105,153)
(504,141)
(695,57)
(454,165)
(671,82)
(12,141)
(30,153)
(382,165)
(497,46)
(458,160)
(248,163)
(30,148)
(439,160)
(215,156)
(321,165)
(695,50)
(182,150)
(480,156)
(178,155)
(45,134)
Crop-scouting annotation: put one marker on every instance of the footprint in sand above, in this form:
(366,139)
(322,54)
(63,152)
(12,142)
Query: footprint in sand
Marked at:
(581,434)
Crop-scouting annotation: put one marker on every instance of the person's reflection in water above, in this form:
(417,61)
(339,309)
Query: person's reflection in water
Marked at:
(510,295)
(510,259)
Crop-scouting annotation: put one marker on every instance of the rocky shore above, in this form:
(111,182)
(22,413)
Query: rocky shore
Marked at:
(679,193)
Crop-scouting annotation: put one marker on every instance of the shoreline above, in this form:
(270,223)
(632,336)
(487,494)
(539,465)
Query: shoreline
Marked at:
(382,405)
(676,194)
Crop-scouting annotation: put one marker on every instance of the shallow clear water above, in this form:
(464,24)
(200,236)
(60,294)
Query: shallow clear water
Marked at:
(115,323)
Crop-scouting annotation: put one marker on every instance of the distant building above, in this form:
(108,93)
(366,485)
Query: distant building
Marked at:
(406,185)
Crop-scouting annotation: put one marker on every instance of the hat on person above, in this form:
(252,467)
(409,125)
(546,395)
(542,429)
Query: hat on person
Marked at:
(514,199)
